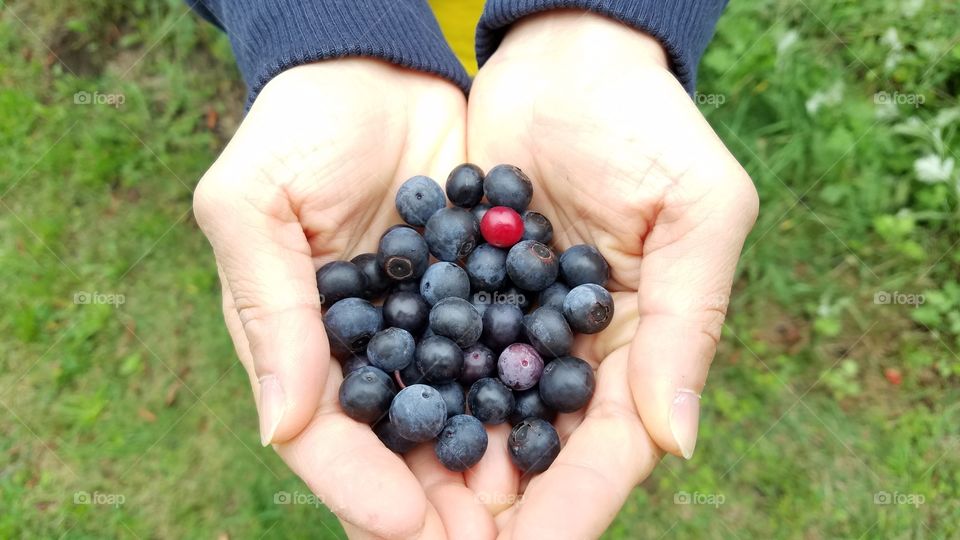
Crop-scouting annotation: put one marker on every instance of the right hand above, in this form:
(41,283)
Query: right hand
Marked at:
(310,177)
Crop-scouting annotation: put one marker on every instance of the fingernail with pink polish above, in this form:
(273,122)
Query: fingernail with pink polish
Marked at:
(273,404)
(685,420)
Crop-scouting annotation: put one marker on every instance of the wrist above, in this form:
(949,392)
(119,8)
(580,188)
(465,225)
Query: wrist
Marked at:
(580,37)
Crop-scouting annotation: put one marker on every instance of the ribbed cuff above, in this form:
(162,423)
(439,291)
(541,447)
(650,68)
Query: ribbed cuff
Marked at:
(683,27)
(271,36)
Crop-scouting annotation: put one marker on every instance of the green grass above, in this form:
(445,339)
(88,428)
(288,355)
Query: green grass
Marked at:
(801,427)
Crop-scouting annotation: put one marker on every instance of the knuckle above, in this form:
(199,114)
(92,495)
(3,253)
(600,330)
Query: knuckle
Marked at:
(223,194)
(712,325)
(747,195)
(205,198)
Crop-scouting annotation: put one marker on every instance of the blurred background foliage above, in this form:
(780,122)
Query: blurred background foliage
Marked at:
(832,408)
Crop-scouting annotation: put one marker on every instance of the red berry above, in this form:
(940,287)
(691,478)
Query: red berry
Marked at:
(501,226)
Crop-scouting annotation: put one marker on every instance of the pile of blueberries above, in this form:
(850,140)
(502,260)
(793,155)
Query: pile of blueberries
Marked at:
(480,336)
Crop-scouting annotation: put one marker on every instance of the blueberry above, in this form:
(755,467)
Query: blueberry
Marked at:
(391,349)
(480,210)
(354,363)
(487,268)
(583,264)
(439,359)
(388,435)
(444,280)
(456,319)
(461,443)
(337,280)
(465,185)
(552,296)
(403,254)
(490,401)
(377,282)
(350,323)
(532,265)
(519,366)
(506,185)
(588,308)
(365,394)
(511,294)
(418,199)
(409,375)
(567,384)
(410,285)
(418,413)
(453,397)
(537,227)
(478,362)
(479,303)
(533,445)
(502,324)
(548,332)
(407,310)
(528,404)
(451,234)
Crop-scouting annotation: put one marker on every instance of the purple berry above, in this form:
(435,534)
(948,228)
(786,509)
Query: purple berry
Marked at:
(520,366)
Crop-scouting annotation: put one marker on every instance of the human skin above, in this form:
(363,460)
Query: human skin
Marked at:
(620,158)
(310,177)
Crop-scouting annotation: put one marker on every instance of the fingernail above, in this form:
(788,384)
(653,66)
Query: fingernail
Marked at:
(273,403)
(685,420)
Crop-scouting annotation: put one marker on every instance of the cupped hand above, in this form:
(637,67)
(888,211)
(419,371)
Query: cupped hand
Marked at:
(620,158)
(310,177)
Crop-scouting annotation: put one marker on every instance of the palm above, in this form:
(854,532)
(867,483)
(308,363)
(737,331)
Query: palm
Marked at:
(314,169)
(620,159)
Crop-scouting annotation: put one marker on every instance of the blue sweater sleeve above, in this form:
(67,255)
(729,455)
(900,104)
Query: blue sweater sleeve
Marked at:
(683,27)
(270,36)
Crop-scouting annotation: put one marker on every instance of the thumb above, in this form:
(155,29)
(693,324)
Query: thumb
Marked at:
(267,269)
(686,273)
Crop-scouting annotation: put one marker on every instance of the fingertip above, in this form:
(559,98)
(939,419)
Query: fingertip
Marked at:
(684,420)
(291,360)
(495,479)
(667,394)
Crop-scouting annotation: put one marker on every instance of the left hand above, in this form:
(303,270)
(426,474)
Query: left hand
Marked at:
(620,158)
